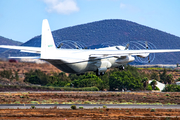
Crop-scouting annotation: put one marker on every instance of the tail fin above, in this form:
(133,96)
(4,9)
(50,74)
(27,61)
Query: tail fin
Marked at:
(47,41)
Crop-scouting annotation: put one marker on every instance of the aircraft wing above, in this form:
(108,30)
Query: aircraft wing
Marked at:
(23,48)
(123,53)
(139,52)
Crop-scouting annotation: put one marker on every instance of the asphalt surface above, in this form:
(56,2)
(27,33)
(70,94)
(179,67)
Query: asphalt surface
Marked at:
(86,106)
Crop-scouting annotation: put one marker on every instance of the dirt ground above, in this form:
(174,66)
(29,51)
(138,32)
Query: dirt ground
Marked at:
(90,114)
(22,67)
(89,97)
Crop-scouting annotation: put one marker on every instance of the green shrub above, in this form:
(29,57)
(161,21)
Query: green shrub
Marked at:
(87,102)
(156,88)
(149,87)
(34,102)
(73,107)
(17,102)
(56,103)
(22,96)
(68,85)
(33,107)
(172,88)
(101,111)
(80,107)
(104,106)
(153,110)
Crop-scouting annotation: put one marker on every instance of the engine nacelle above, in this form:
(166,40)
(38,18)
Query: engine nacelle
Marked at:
(127,59)
(143,55)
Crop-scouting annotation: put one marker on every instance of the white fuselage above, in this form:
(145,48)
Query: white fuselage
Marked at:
(82,60)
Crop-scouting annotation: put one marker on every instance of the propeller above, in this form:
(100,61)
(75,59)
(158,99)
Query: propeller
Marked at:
(140,45)
(118,48)
(127,46)
(146,44)
(60,45)
(85,48)
(148,59)
(75,44)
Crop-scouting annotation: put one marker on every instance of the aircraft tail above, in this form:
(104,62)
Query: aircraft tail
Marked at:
(47,41)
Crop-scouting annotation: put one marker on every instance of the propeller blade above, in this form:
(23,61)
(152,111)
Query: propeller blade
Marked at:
(148,60)
(118,48)
(60,45)
(127,46)
(85,47)
(146,43)
(75,44)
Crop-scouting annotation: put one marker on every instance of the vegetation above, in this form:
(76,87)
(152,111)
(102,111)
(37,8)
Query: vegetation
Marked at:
(9,74)
(124,80)
(153,110)
(112,80)
(149,87)
(88,80)
(153,84)
(130,79)
(172,88)
(33,107)
(73,107)
(80,107)
(104,106)
(145,82)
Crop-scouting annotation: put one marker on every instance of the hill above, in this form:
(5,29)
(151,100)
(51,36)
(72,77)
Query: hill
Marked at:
(6,41)
(114,32)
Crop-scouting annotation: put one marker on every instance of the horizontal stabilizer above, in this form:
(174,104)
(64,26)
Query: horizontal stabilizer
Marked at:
(23,48)
(29,57)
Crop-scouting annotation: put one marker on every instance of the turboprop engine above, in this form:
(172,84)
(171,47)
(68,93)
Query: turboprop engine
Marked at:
(125,59)
(143,55)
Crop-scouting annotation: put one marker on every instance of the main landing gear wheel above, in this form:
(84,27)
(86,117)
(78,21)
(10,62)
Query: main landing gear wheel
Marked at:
(99,73)
(102,73)
(80,74)
(121,67)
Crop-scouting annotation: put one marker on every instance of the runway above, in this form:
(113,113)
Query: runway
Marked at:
(86,106)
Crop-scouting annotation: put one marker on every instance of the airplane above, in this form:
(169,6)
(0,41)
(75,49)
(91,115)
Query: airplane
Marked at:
(79,61)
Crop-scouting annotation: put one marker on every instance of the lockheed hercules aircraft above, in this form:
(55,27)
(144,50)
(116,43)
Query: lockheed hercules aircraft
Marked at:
(79,61)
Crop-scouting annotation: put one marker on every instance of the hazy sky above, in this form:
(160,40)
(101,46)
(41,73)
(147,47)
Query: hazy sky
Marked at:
(21,20)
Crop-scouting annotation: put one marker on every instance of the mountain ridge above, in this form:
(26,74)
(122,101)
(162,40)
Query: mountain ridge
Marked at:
(115,32)
(7,41)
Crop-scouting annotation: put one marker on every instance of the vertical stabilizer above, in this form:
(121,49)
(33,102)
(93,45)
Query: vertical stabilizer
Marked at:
(47,41)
